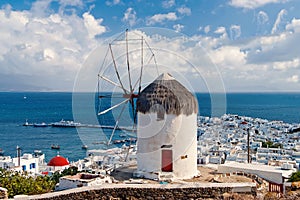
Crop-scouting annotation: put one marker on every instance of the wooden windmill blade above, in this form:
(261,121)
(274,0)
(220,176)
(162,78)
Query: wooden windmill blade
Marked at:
(125,75)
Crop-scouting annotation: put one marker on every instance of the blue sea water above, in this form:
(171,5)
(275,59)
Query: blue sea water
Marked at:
(48,107)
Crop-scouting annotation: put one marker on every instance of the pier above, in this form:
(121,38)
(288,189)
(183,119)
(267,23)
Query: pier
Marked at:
(77,125)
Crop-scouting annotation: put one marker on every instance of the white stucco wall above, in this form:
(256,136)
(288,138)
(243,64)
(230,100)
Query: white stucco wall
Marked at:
(178,131)
(269,173)
(27,160)
(68,182)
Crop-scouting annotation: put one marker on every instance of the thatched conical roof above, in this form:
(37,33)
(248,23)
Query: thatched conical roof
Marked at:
(168,95)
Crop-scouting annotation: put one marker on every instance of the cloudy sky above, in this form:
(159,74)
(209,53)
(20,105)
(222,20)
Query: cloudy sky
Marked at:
(253,45)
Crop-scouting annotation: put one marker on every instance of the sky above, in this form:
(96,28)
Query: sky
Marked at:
(230,45)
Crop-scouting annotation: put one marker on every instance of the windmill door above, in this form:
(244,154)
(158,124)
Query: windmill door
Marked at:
(166,161)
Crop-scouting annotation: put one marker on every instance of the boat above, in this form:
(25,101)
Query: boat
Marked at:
(37,153)
(53,146)
(26,123)
(63,123)
(84,146)
(43,124)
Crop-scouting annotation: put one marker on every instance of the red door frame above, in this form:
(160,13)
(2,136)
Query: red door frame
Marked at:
(166,160)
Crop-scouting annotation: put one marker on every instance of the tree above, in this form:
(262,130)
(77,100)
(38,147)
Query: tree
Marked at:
(69,171)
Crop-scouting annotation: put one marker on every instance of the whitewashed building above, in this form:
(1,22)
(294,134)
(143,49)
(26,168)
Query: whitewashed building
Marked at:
(27,162)
(167,130)
(82,179)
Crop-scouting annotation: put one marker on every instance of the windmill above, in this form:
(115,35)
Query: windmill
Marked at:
(122,70)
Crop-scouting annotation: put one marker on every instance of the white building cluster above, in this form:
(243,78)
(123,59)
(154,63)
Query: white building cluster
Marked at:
(226,139)
(30,163)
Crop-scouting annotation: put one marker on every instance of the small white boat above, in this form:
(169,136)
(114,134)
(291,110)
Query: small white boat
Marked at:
(53,146)
(26,123)
(84,146)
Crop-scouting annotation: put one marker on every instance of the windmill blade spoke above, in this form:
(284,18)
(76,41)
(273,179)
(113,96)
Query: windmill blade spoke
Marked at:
(113,107)
(116,124)
(128,65)
(142,65)
(114,83)
(116,70)
(135,84)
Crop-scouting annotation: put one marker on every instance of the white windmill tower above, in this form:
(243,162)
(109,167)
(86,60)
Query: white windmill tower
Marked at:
(167,130)
(165,112)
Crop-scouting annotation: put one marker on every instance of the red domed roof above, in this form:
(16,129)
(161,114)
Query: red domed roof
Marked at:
(58,161)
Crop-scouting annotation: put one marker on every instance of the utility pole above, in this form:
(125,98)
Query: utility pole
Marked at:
(248,142)
(19,155)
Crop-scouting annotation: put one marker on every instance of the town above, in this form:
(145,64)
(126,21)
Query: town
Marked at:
(270,150)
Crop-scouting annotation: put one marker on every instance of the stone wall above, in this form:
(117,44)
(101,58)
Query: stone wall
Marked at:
(3,193)
(145,192)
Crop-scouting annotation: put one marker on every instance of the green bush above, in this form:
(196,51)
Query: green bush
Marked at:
(270,144)
(22,183)
(295,177)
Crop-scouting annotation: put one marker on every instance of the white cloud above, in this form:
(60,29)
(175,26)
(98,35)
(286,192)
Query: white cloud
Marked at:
(64,3)
(207,29)
(294,25)
(262,18)
(285,65)
(43,47)
(93,25)
(229,56)
(46,49)
(40,8)
(293,79)
(168,3)
(220,30)
(113,2)
(279,23)
(184,11)
(160,18)
(178,27)
(252,4)
(235,32)
(260,63)
(130,17)
(7,9)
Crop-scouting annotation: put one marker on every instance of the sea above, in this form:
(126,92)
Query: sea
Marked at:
(36,107)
